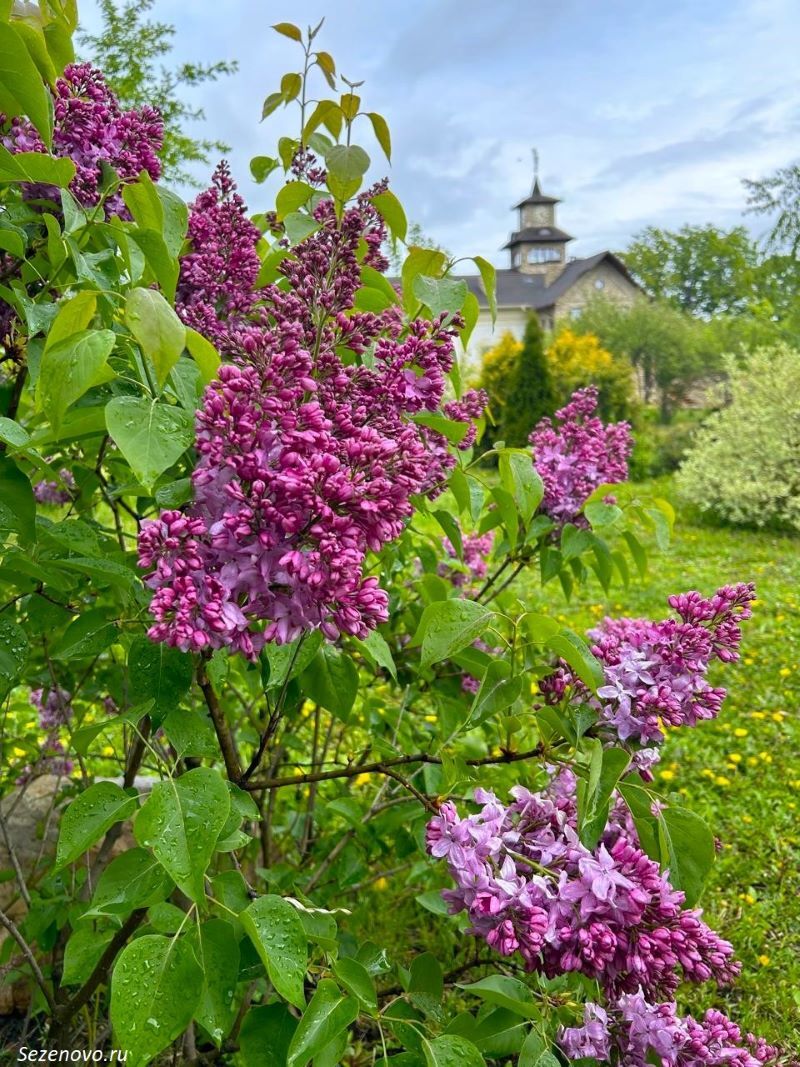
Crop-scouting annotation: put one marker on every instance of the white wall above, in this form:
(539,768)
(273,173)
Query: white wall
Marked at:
(485,336)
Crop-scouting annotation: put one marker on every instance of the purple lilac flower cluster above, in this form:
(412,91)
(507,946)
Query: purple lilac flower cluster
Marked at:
(528,885)
(576,454)
(476,549)
(54,707)
(307,461)
(635,1032)
(468,409)
(655,672)
(55,710)
(55,491)
(91,129)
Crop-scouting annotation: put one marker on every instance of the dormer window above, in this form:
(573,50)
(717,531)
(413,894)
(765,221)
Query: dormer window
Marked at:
(543,255)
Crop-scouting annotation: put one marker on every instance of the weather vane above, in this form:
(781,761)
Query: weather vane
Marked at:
(535,165)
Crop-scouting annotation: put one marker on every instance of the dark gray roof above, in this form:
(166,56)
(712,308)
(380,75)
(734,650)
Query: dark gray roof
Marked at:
(538,197)
(539,234)
(517,289)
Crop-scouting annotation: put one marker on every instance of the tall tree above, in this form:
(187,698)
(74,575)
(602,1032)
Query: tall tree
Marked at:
(778,196)
(129,49)
(700,269)
(531,394)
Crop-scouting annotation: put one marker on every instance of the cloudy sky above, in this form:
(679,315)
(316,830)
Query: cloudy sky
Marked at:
(643,111)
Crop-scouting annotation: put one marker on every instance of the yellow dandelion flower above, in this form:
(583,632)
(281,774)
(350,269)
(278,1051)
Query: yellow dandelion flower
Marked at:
(765,757)
(381,884)
(758,715)
(362,779)
(430,718)
(747,818)
(784,672)
(722,780)
(707,772)
(749,898)
(740,732)
(735,757)
(667,775)
(763,960)
(778,716)
(107,750)
(749,661)
(17,751)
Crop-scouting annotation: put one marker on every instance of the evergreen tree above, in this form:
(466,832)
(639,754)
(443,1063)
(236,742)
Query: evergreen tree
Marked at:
(531,395)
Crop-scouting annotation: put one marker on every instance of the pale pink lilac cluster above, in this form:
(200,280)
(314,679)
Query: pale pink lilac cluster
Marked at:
(637,1033)
(656,672)
(92,130)
(307,460)
(577,453)
(529,886)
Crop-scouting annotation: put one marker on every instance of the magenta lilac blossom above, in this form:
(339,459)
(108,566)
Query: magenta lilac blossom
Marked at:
(576,453)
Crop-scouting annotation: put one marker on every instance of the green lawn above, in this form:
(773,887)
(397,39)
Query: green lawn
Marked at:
(741,772)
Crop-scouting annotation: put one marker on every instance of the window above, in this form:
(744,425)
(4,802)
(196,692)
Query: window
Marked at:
(543,255)
(517,259)
(599,283)
(574,313)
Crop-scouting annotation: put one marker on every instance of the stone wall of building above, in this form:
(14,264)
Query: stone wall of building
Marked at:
(615,286)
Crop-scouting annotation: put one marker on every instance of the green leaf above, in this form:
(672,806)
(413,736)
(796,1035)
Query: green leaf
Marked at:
(180,822)
(440,294)
(357,980)
(687,850)
(288,29)
(155,988)
(450,1050)
(162,265)
(17,502)
(35,167)
(377,651)
(428,261)
(577,654)
(531,1050)
(22,91)
(506,992)
(262,166)
(498,691)
(159,331)
(204,354)
(640,802)
(69,369)
(348,163)
(291,197)
(489,278)
(298,226)
(329,1012)
(381,130)
(331,679)
(276,931)
(594,793)
(134,879)
(159,673)
(448,626)
(520,478)
(11,433)
(73,317)
(150,435)
(287,661)
(507,509)
(13,654)
(265,1036)
(82,954)
(391,211)
(190,733)
(454,431)
(83,737)
(426,983)
(88,635)
(217,952)
(88,817)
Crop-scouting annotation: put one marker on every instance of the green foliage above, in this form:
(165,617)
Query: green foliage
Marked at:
(130,49)
(272,802)
(577,360)
(520,387)
(744,465)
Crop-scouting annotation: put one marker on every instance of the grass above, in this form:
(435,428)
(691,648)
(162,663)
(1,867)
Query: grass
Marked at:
(742,771)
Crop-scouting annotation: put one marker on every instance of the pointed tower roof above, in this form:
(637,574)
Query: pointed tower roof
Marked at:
(537,196)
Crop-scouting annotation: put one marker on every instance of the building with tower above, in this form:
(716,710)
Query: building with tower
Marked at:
(543,278)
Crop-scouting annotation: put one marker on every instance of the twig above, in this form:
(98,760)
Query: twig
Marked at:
(386,766)
(27,952)
(221,728)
